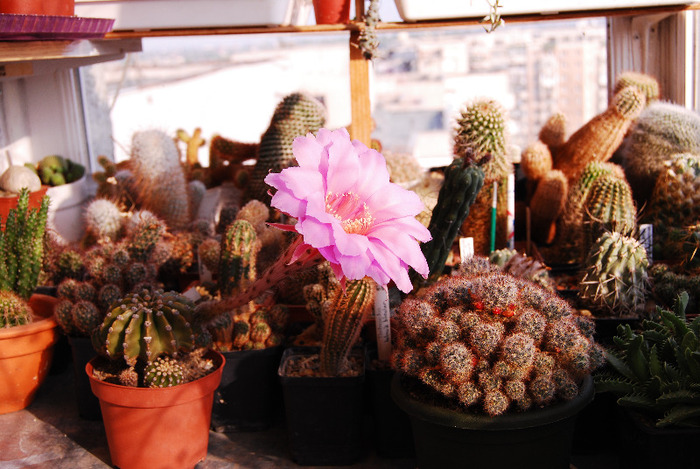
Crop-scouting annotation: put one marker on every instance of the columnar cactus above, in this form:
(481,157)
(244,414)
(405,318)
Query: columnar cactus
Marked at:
(239,248)
(145,325)
(615,279)
(160,180)
(645,83)
(295,116)
(22,246)
(492,342)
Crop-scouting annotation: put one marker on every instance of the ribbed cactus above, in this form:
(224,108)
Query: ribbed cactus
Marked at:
(598,139)
(239,248)
(661,130)
(492,342)
(103,219)
(675,200)
(463,181)
(295,116)
(14,311)
(615,280)
(481,135)
(145,325)
(22,246)
(160,180)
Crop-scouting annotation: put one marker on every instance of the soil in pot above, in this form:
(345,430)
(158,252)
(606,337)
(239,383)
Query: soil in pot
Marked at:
(445,437)
(324,415)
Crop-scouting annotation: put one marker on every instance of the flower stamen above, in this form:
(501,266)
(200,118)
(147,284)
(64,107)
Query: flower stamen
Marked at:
(355,217)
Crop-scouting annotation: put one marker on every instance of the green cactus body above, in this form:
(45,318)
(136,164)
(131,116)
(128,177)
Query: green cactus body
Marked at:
(655,370)
(616,279)
(143,236)
(661,130)
(598,139)
(147,324)
(608,207)
(469,338)
(675,200)
(239,248)
(160,179)
(463,181)
(295,116)
(163,372)
(22,246)
(343,319)
(14,311)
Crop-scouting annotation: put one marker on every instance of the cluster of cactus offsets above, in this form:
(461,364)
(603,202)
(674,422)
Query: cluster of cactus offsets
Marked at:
(160,180)
(616,280)
(147,324)
(77,312)
(103,219)
(22,246)
(239,249)
(493,342)
(675,200)
(600,137)
(14,311)
(655,370)
(481,134)
(463,181)
(663,129)
(295,116)
(272,240)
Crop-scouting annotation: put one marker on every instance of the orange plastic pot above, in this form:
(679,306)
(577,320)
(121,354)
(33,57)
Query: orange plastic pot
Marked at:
(25,355)
(38,7)
(157,427)
(332,11)
(7,203)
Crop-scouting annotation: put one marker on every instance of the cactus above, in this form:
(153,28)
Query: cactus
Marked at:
(615,279)
(553,133)
(295,116)
(463,181)
(103,219)
(22,246)
(144,230)
(239,248)
(160,180)
(226,160)
(486,340)
(14,311)
(667,284)
(645,83)
(547,204)
(655,370)
(661,130)
(598,139)
(163,372)
(536,161)
(86,317)
(520,265)
(146,325)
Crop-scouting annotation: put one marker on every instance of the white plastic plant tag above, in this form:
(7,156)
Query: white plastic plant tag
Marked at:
(466,248)
(382,319)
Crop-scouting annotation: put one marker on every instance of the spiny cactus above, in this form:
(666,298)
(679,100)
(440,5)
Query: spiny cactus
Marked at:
(295,116)
(144,230)
(553,133)
(489,341)
(656,370)
(667,284)
(103,219)
(160,180)
(661,130)
(598,139)
(239,248)
(163,372)
(645,83)
(145,325)
(22,246)
(547,203)
(463,181)
(14,311)
(615,279)
(520,265)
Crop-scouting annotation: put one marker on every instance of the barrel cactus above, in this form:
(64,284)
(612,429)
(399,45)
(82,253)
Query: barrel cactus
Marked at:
(14,311)
(615,280)
(491,342)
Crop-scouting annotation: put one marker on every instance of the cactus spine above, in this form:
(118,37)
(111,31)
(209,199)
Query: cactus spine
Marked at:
(14,311)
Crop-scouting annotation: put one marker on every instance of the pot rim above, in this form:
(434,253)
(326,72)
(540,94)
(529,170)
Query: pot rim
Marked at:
(43,319)
(509,421)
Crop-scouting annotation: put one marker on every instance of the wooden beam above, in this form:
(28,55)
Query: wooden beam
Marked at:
(361,127)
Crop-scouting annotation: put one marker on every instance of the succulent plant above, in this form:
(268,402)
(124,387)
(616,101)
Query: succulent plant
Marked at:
(103,219)
(489,341)
(667,284)
(22,246)
(520,265)
(14,311)
(145,325)
(647,84)
(239,248)
(656,371)
(615,279)
(163,372)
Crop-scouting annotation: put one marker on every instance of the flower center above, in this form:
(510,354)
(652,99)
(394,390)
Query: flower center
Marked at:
(354,216)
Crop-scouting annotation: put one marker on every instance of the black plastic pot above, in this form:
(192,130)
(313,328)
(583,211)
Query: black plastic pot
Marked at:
(536,439)
(249,396)
(82,352)
(324,415)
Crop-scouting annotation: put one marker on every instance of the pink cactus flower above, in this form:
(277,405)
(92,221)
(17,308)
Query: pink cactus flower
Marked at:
(348,212)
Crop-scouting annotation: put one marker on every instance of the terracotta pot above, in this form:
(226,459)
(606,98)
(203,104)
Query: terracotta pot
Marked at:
(332,11)
(7,203)
(25,355)
(38,7)
(157,427)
